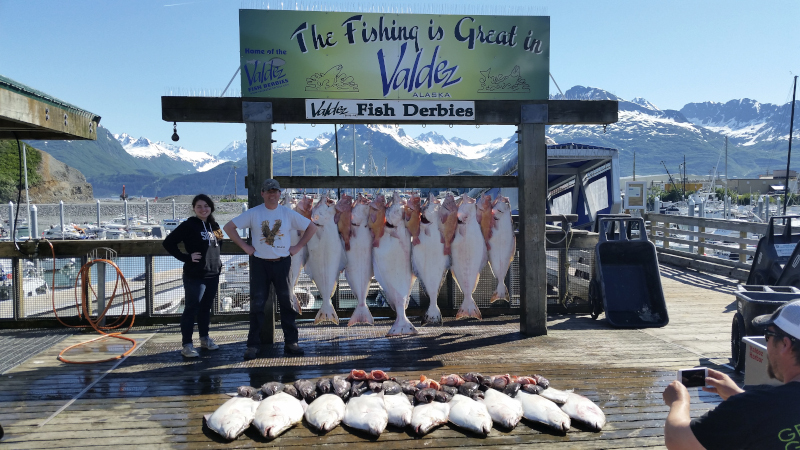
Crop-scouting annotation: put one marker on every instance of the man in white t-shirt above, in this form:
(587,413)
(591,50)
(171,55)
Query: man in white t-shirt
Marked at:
(270,227)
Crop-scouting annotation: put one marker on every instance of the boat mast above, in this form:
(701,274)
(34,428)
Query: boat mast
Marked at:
(789,158)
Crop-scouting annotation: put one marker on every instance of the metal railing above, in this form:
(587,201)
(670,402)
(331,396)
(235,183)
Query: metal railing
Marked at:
(155,279)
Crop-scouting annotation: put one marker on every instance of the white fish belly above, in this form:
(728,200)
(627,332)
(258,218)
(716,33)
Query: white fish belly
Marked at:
(391,263)
(428,259)
(555,396)
(359,263)
(581,409)
(277,413)
(503,246)
(503,409)
(399,409)
(470,415)
(324,259)
(468,257)
(542,410)
(232,418)
(366,413)
(426,417)
(326,412)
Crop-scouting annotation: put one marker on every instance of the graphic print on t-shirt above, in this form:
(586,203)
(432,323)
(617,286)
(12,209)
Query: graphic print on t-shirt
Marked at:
(270,233)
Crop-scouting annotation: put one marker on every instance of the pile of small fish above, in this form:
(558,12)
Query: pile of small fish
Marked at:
(399,241)
(369,401)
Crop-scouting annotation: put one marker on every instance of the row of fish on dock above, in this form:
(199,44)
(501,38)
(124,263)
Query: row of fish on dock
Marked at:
(399,241)
(370,401)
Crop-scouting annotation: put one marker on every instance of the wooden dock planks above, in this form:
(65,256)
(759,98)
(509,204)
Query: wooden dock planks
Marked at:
(156,399)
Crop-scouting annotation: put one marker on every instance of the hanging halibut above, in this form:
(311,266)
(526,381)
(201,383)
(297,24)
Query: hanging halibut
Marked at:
(391,263)
(468,256)
(303,207)
(502,246)
(326,258)
(359,261)
(429,260)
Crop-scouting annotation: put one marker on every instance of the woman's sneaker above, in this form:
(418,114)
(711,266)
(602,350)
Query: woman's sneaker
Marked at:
(189,351)
(208,343)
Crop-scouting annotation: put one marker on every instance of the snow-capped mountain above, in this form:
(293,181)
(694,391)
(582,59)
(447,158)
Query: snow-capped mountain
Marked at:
(434,142)
(745,122)
(235,151)
(161,153)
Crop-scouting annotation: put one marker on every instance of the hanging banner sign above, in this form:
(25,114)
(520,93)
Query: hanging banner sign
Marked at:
(341,55)
(391,110)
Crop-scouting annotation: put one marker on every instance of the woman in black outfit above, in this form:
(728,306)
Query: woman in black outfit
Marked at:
(201,237)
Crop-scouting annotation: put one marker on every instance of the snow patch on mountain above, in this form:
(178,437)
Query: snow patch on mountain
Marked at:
(433,142)
(147,149)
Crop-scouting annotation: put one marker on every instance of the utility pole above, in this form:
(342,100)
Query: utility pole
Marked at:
(789,157)
(355,163)
(235,179)
(291,171)
(725,200)
(634,166)
(684,177)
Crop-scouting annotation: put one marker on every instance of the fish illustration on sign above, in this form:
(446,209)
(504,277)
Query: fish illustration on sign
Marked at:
(270,233)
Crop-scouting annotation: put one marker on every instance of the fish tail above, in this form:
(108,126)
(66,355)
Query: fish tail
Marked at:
(361,315)
(501,293)
(469,309)
(433,316)
(402,327)
(326,314)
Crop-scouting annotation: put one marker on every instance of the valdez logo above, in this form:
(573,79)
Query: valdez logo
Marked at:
(264,76)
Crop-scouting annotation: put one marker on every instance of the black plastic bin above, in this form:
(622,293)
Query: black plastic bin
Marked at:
(768,262)
(627,277)
(751,302)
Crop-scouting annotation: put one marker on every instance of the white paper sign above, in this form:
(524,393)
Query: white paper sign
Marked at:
(784,250)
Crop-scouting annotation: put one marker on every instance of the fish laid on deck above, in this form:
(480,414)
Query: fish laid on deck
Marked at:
(468,257)
(326,258)
(470,415)
(539,409)
(367,413)
(277,414)
(504,410)
(399,409)
(391,263)
(502,245)
(581,409)
(232,418)
(428,416)
(428,259)
(358,270)
(326,412)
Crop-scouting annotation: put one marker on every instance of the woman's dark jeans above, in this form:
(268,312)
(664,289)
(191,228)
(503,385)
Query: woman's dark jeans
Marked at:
(200,295)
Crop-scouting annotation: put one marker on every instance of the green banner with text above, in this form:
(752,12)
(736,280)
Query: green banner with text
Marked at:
(339,55)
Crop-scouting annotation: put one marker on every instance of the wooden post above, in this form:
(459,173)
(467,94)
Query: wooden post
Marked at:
(742,246)
(532,177)
(701,250)
(667,234)
(257,117)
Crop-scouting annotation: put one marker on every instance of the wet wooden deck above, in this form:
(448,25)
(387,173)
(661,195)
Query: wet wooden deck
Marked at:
(156,399)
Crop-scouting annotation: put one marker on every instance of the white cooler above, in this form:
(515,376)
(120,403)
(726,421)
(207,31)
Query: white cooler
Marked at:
(755,362)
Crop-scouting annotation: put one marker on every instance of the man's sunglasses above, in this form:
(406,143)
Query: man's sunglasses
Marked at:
(769,333)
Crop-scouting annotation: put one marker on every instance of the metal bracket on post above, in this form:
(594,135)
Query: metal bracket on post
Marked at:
(256,112)
(534,113)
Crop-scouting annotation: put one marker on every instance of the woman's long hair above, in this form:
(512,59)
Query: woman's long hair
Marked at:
(210,203)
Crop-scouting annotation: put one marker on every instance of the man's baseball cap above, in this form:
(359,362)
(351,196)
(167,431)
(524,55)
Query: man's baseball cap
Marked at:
(269,183)
(787,318)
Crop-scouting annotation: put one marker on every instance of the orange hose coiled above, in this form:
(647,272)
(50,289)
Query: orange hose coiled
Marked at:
(84,310)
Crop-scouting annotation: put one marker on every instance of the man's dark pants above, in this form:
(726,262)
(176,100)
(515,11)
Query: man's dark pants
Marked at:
(275,273)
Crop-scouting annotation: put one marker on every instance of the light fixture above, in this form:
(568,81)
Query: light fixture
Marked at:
(175,136)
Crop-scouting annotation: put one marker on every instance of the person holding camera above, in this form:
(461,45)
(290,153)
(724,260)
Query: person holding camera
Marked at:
(761,418)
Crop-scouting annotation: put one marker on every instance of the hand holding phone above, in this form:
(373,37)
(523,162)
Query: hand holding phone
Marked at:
(695,377)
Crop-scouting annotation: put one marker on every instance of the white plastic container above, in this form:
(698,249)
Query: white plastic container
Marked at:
(756,363)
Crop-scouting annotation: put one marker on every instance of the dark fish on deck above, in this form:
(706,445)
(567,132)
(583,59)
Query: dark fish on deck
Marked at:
(375,386)
(358,387)
(477,395)
(307,390)
(258,396)
(442,397)
(542,381)
(426,395)
(452,390)
(246,391)
(291,390)
(324,386)
(468,388)
(272,388)
(391,388)
(532,389)
(474,377)
(511,389)
(409,387)
(341,387)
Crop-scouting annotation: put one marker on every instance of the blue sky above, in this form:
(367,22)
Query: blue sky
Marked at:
(117,58)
